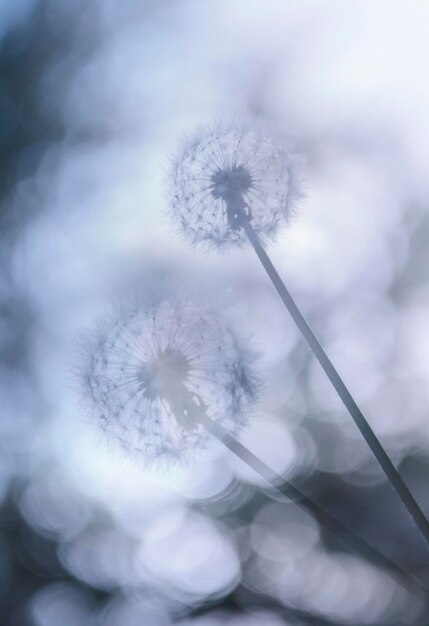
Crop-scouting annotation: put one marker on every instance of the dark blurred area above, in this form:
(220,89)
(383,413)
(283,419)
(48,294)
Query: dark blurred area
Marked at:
(27,46)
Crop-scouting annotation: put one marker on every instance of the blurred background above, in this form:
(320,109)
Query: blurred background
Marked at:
(94,98)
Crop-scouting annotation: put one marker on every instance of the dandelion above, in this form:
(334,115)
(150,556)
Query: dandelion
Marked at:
(164,378)
(152,371)
(224,172)
(230,184)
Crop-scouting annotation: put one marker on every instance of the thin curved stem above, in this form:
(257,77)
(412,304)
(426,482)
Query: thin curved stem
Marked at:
(368,434)
(325,519)
(191,410)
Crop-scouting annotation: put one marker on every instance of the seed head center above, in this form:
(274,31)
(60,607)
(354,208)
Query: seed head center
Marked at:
(164,374)
(229,183)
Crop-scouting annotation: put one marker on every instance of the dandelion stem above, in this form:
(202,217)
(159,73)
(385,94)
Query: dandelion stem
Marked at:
(191,412)
(325,519)
(368,434)
(191,407)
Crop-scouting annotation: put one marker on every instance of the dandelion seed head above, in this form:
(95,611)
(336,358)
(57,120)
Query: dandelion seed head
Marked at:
(146,367)
(228,168)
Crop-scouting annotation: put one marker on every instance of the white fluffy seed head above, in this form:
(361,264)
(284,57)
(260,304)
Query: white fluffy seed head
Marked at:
(140,364)
(228,166)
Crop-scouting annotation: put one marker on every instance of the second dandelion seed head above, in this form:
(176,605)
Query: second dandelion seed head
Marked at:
(153,373)
(227,171)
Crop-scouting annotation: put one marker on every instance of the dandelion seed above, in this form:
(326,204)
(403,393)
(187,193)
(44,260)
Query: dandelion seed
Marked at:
(152,371)
(223,171)
(232,184)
